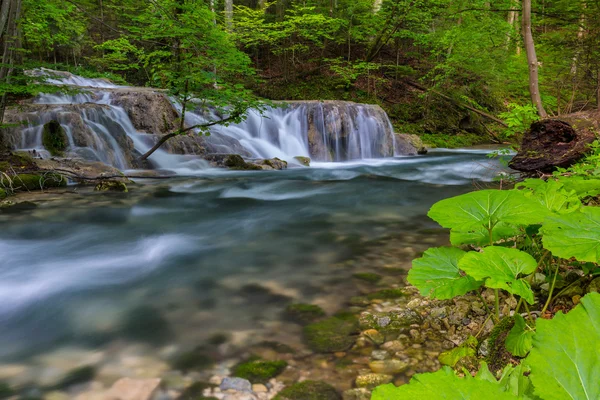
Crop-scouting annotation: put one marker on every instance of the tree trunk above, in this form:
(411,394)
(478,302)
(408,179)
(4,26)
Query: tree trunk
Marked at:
(532,60)
(229,14)
(9,37)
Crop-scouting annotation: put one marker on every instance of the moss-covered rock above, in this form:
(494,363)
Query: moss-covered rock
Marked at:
(370,277)
(111,186)
(3,194)
(54,138)
(303,313)
(389,322)
(386,294)
(333,334)
(303,160)
(498,356)
(76,376)
(259,371)
(309,390)
(235,161)
(146,323)
(370,381)
(5,391)
(24,182)
(195,359)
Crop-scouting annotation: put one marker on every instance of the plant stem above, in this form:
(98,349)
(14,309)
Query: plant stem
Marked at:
(551,289)
(529,317)
(519,305)
(487,309)
(497,301)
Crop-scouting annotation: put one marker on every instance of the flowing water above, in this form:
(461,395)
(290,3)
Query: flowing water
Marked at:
(96,278)
(218,252)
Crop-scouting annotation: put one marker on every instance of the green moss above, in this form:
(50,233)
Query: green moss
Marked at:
(303,160)
(111,186)
(498,356)
(4,166)
(367,277)
(259,371)
(452,141)
(235,161)
(309,390)
(76,376)
(386,294)
(332,334)
(54,138)
(303,313)
(3,194)
(146,324)
(196,359)
(22,182)
(5,391)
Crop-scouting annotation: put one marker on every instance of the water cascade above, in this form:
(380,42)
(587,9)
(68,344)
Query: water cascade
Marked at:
(115,125)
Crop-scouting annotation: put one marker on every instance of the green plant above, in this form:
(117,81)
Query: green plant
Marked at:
(501,238)
(519,118)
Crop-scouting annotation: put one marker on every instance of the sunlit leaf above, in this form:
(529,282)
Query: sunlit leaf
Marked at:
(574,235)
(486,215)
(467,349)
(565,359)
(437,275)
(501,268)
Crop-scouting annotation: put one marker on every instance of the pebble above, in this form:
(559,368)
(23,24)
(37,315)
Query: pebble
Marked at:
(383,321)
(379,354)
(371,381)
(237,384)
(356,394)
(259,388)
(390,367)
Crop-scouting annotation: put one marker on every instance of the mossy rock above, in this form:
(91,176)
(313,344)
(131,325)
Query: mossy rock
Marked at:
(196,359)
(146,324)
(259,371)
(303,160)
(309,390)
(76,377)
(389,322)
(332,334)
(22,182)
(3,194)
(370,277)
(6,391)
(386,294)
(303,314)
(111,186)
(195,391)
(498,356)
(235,161)
(54,138)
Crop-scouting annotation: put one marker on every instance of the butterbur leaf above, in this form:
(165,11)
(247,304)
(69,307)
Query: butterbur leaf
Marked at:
(574,235)
(514,381)
(552,195)
(565,359)
(520,338)
(443,384)
(472,215)
(500,268)
(467,349)
(437,275)
(582,187)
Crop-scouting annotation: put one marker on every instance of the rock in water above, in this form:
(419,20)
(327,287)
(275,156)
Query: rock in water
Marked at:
(54,138)
(410,145)
(552,143)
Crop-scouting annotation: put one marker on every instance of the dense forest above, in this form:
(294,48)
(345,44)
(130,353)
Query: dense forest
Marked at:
(432,64)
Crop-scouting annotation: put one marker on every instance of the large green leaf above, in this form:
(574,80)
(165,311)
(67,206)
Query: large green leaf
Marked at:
(467,349)
(574,235)
(520,338)
(565,359)
(473,215)
(443,384)
(437,275)
(552,195)
(501,267)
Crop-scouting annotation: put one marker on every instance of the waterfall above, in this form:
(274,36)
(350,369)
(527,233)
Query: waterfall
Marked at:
(116,124)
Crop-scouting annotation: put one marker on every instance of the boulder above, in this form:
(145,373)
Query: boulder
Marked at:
(553,143)
(303,160)
(407,144)
(54,138)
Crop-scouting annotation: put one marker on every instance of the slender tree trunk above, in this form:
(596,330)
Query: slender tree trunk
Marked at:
(598,91)
(532,60)
(10,11)
(229,14)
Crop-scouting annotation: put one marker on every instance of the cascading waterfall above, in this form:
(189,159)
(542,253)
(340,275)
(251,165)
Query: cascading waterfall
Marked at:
(99,127)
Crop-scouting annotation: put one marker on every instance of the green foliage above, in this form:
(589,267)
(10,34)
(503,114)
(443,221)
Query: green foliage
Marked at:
(501,268)
(467,349)
(438,275)
(520,338)
(565,359)
(519,118)
(486,216)
(574,235)
(444,384)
